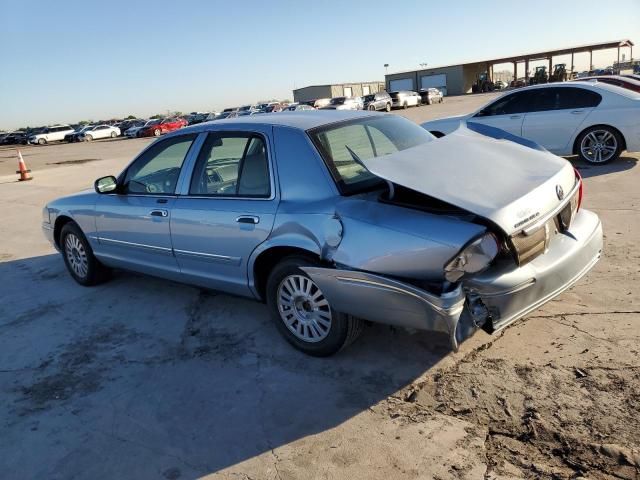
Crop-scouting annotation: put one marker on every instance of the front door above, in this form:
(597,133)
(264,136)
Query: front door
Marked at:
(227,211)
(506,113)
(133,224)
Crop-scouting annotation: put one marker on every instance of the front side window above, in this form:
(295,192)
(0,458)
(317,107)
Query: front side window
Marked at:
(507,105)
(232,164)
(366,138)
(158,169)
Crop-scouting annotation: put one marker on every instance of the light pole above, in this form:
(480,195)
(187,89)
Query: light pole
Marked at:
(386,68)
(423,65)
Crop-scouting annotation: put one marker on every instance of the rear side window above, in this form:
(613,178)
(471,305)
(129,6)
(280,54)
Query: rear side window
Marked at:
(232,164)
(565,98)
(366,138)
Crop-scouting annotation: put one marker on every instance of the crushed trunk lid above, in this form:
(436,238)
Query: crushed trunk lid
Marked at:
(510,184)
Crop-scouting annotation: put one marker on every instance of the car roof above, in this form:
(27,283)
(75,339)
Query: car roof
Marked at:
(584,84)
(303,120)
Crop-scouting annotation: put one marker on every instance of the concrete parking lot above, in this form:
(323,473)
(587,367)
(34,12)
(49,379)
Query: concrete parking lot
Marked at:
(143,378)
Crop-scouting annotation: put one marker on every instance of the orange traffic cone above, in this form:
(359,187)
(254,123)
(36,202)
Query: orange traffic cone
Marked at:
(24,173)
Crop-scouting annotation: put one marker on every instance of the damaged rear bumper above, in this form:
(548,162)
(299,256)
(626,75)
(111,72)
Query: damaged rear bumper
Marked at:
(495,298)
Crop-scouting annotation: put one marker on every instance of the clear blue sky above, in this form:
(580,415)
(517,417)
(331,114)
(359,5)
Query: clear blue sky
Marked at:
(64,61)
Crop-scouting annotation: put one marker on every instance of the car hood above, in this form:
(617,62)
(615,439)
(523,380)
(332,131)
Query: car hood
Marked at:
(510,184)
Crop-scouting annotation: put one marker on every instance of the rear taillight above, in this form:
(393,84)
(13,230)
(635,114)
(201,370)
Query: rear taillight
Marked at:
(580,188)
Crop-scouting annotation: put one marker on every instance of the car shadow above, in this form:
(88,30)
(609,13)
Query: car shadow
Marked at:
(587,170)
(139,377)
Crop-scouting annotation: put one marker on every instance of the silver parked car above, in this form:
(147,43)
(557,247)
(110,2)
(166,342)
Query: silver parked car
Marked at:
(339,217)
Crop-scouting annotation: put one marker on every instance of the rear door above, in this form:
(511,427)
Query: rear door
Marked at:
(226,210)
(506,113)
(555,114)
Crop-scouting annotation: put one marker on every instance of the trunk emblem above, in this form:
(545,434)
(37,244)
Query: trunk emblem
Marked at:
(559,192)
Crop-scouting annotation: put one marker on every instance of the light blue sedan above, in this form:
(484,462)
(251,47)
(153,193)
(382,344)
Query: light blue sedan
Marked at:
(334,218)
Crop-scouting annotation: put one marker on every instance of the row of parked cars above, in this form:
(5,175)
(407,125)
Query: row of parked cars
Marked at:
(135,128)
(381,101)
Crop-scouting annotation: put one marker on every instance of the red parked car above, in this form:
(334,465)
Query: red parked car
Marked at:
(165,126)
(624,82)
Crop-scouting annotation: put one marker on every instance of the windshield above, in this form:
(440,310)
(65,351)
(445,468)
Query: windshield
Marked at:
(364,138)
(152,122)
(369,98)
(337,100)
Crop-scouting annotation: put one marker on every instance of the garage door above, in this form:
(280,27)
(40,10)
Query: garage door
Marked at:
(438,81)
(401,84)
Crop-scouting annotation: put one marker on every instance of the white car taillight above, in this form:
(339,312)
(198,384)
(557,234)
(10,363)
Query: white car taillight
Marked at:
(474,258)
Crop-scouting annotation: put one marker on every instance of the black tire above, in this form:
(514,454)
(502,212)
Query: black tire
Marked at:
(388,107)
(95,272)
(405,106)
(599,130)
(42,141)
(372,108)
(343,331)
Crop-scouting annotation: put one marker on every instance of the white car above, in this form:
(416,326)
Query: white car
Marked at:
(133,131)
(99,131)
(405,99)
(55,133)
(596,121)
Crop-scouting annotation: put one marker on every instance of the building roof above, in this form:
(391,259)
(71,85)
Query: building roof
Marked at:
(337,84)
(533,56)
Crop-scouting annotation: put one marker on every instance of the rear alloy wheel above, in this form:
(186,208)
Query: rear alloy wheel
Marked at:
(599,145)
(156,132)
(303,314)
(388,107)
(114,134)
(88,138)
(79,259)
(372,108)
(42,141)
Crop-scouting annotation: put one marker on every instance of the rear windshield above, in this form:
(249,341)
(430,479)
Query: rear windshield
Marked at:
(364,138)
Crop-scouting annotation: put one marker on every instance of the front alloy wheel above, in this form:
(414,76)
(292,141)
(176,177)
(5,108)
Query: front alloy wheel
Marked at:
(76,255)
(83,266)
(156,132)
(599,145)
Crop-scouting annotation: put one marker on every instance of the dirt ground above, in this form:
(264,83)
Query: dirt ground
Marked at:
(143,378)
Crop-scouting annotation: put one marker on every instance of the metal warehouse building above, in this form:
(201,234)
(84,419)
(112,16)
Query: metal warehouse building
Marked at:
(356,89)
(458,79)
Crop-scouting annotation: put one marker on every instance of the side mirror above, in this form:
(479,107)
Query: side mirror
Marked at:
(106,184)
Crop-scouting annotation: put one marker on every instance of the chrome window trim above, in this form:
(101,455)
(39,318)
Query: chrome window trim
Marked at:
(142,246)
(209,256)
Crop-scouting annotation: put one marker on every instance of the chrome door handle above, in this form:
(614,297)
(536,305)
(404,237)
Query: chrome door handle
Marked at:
(248,219)
(159,213)
(577,112)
